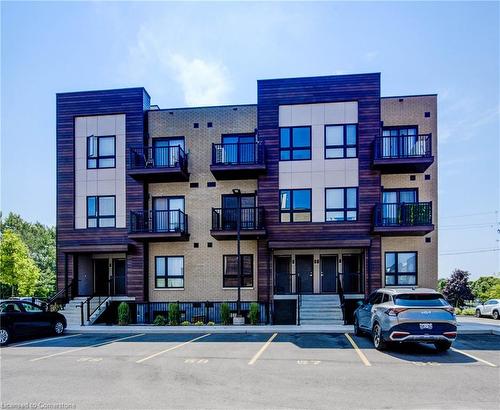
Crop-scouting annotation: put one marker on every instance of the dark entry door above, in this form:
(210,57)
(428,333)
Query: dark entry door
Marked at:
(101,277)
(328,274)
(304,270)
(283,282)
(119,276)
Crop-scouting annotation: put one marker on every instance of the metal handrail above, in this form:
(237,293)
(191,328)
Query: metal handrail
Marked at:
(403,214)
(226,219)
(403,146)
(105,300)
(58,295)
(158,221)
(157,157)
(340,291)
(238,153)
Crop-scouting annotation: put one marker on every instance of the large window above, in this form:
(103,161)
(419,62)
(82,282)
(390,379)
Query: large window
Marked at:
(341,141)
(295,205)
(295,143)
(400,268)
(401,142)
(230,274)
(100,211)
(100,152)
(341,204)
(169,272)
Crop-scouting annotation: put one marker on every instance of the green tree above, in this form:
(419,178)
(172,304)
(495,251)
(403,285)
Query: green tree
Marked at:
(17,269)
(482,286)
(457,289)
(494,292)
(441,284)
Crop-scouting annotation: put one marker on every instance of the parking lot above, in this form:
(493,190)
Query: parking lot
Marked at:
(278,370)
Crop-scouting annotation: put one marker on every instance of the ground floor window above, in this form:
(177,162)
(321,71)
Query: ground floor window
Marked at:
(400,268)
(230,274)
(169,272)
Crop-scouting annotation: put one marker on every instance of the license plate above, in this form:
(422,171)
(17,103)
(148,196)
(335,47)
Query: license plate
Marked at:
(425,326)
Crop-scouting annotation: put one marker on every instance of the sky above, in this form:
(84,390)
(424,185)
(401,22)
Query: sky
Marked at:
(192,54)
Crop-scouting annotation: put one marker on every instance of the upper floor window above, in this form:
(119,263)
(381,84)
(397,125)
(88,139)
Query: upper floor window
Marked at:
(400,196)
(400,268)
(101,212)
(341,141)
(169,272)
(401,142)
(230,274)
(341,204)
(295,143)
(295,205)
(101,152)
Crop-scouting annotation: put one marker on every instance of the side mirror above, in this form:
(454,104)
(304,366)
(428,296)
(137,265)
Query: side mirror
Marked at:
(360,302)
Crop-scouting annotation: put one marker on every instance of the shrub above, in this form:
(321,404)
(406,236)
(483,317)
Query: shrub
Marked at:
(253,315)
(469,311)
(225,314)
(458,311)
(159,321)
(123,314)
(186,323)
(174,314)
(210,324)
(199,323)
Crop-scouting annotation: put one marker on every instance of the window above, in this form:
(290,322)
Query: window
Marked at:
(230,273)
(28,307)
(295,205)
(400,268)
(341,141)
(422,299)
(169,272)
(237,149)
(399,196)
(100,152)
(375,298)
(341,204)
(9,307)
(100,212)
(401,142)
(168,214)
(168,152)
(295,143)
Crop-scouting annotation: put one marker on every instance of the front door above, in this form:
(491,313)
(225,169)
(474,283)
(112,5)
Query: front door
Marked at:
(304,271)
(119,276)
(328,274)
(283,278)
(101,277)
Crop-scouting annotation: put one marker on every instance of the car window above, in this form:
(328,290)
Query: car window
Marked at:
(28,307)
(420,299)
(375,298)
(9,307)
(386,298)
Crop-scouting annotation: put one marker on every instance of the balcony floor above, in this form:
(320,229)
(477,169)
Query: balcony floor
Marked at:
(159,236)
(419,230)
(237,171)
(223,235)
(402,165)
(159,174)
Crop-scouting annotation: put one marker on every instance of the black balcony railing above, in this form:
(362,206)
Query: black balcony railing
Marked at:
(158,221)
(403,146)
(157,157)
(246,153)
(404,214)
(226,219)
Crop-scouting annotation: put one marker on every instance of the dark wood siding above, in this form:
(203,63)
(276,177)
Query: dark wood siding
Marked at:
(363,88)
(132,102)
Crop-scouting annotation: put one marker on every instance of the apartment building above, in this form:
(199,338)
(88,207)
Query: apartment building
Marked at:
(328,190)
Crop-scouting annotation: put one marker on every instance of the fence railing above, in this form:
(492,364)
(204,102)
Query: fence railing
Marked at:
(244,153)
(157,157)
(226,219)
(158,221)
(404,214)
(403,146)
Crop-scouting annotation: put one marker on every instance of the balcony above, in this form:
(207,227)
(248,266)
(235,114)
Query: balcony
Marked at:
(403,154)
(158,164)
(238,160)
(404,219)
(225,223)
(160,226)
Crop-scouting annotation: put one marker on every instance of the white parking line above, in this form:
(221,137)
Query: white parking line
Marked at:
(473,357)
(172,348)
(43,340)
(86,347)
(262,349)
(361,355)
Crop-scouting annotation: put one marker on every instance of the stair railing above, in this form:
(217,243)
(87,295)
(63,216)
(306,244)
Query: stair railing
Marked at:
(99,304)
(59,295)
(341,297)
(299,296)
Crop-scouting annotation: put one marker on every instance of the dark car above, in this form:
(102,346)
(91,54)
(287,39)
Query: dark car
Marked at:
(21,318)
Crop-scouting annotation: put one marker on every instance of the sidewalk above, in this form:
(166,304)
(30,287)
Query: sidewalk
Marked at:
(466,326)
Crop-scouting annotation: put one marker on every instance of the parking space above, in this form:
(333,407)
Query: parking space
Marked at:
(306,366)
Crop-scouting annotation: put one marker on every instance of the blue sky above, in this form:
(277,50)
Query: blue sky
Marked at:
(213,53)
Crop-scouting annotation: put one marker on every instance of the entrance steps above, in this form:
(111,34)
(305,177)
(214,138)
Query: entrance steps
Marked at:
(72,310)
(320,310)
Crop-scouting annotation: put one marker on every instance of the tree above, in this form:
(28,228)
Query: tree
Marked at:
(41,242)
(457,289)
(17,269)
(482,286)
(494,292)
(441,284)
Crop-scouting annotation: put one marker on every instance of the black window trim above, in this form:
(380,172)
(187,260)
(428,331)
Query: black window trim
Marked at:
(344,146)
(345,209)
(396,273)
(224,276)
(291,148)
(97,158)
(97,217)
(398,192)
(292,211)
(167,276)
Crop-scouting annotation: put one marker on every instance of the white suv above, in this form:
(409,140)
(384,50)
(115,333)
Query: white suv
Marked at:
(489,308)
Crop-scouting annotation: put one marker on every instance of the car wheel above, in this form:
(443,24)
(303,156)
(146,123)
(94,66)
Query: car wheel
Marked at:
(495,315)
(378,339)
(478,313)
(4,336)
(58,328)
(442,346)
(357,330)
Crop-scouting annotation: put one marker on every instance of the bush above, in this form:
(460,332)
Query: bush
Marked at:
(186,323)
(199,323)
(458,311)
(253,315)
(159,321)
(225,314)
(123,314)
(468,312)
(210,324)
(174,314)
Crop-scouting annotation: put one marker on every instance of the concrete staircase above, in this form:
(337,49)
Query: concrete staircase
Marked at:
(320,310)
(71,311)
